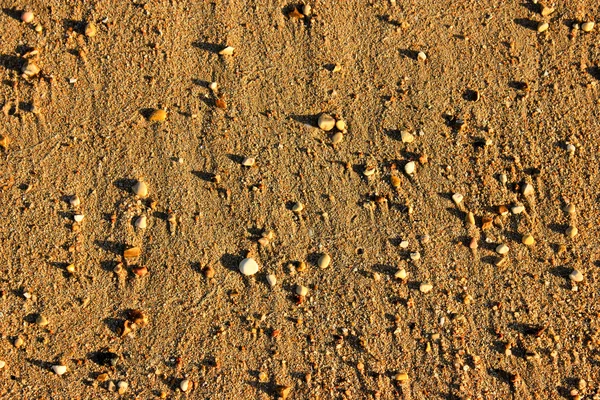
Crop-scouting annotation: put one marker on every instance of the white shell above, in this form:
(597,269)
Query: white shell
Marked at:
(59,369)
(457,198)
(576,276)
(301,290)
(141,222)
(184,385)
(78,217)
(410,167)
(425,287)
(140,189)
(227,51)
(272,280)
(248,266)
(502,249)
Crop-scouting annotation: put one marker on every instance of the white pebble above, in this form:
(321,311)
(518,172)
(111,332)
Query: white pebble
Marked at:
(457,198)
(78,217)
(301,290)
(401,274)
(421,56)
(122,387)
(503,179)
(272,280)
(404,244)
(141,222)
(407,137)
(74,201)
(569,208)
(409,168)
(415,256)
(587,26)
(184,385)
(326,122)
(576,276)
(425,287)
(502,249)
(324,261)
(2,364)
(517,209)
(570,148)
(140,189)
(572,231)
(528,189)
(341,125)
(248,266)
(298,207)
(227,51)
(27,17)
(248,161)
(59,369)
(213,86)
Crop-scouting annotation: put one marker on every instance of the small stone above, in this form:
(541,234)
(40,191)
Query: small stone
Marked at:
(19,342)
(517,209)
(407,137)
(547,11)
(572,231)
(122,387)
(90,29)
(527,189)
(301,266)
(2,364)
(571,148)
(248,161)
(470,218)
(340,124)
(40,320)
(425,287)
(301,290)
(421,56)
(298,207)
(30,69)
(70,268)
(569,208)
(409,168)
(369,171)
(404,244)
(324,261)
(78,217)
(401,274)
(306,10)
(139,271)
(141,222)
(502,249)
(74,201)
(27,17)
(503,210)
(272,280)
(157,116)
(503,179)
(59,369)
(213,86)
(337,137)
(140,188)
(227,51)
(326,122)
(587,26)
(576,276)
(209,272)
(132,252)
(284,391)
(527,240)
(248,266)
(395,181)
(473,244)
(542,27)
(401,377)
(38,28)
(415,256)
(457,198)
(184,385)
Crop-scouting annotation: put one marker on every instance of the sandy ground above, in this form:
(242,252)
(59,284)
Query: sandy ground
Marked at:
(493,97)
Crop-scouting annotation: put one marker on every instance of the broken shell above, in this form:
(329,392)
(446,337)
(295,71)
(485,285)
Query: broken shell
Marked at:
(41,320)
(572,231)
(141,222)
(409,168)
(139,271)
(132,252)
(421,56)
(283,391)
(527,189)
(401,377)
(502,249)
(326,122)
(59,369)
(407,137)
(157,116)
(248,161)
(425,287)
(74,201)
(401,274)
(457,198)
(140,189)
(272,280)
(576,276)
(527,240)
(30,69)
(90,29)
(298,207)
(587,26)
(78,217)
(542,27)
(370,170)
(227,51)
(185,385)
(127,328)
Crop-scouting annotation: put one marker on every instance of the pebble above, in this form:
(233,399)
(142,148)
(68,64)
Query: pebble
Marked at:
(407,137)
(272,280)
(122,387)
(425,287)
(473,244)
(502,249)
(301,290)
(576,276)
(324,261)
(74,201)
(542,27)
(209,272)
(70,268)
(569,208)
(19,342)
(470,218)
(306,10)
(571,148)
(30,69)
(139,271)
(517,209)
(547,11)
(2,364)
(78,217)
(157,116)
(572,231)
(141,222)
(587,26)
(140,188)
(248,161)
(503,179)
(404,244)
(27,17)
(227,51)
(213,86)
(528,189)
(401,377)
(401,274)
(457,198)
(369,171)
(395,181)
(415,256)
(326,122)
(340,124)
(41,320)
(184,385)
(248,266)
(409,168)
(527,240)
(132,252)
(421,56)
(90,29)
(298,207)
(59,369)
(337,137)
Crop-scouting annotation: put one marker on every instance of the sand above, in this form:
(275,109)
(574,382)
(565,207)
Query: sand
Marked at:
(492,97)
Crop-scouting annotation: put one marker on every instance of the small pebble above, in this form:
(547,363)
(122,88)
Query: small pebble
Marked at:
(369,171)
(470,218)
(326,122)
(569,208)
(337,137)
(415,256)
(421,56)
(141,222)
(527,240)
(248,266)
(528,189)
(457,198)
(571,148)
(90,29)
(272,280)
(30,69)
(301,290)
(395,181)
(401,377)
(407,137)
(572,231)
(473,244)
(227,51)
(70,268)
(298,207)
(213,86)
(547,11)
(184,385)
(542,27)
(140,188)
(409,168)
(27,17)
(340,124)
(122,387)
(74,201)
(78,217)
(502,249)
(19,342)
(503,179)
(306,10)
(209,272)
(425,287)
(248,161)
(324,261)
(404,244)
(2,364)
(41,320)
(139,271)
(517,209)
(157,116)
(401,274)
(587,26)
(59,369)
(576,276)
